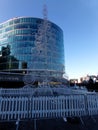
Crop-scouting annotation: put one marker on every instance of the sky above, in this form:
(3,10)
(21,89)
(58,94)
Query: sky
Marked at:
(79,21)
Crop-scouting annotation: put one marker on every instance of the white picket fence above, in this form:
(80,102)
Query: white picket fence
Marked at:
(13,107)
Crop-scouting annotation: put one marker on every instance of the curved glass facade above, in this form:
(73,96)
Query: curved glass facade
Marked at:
(20,51)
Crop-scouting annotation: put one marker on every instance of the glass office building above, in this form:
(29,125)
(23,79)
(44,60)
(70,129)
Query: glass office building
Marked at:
(26,47)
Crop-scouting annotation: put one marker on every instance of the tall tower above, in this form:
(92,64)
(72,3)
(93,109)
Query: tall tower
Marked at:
(43,36)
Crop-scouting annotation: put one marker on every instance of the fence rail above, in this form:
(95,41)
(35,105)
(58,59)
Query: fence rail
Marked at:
(25,107)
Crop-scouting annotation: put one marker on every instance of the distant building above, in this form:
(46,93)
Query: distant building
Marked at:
(87,78)
(73,82)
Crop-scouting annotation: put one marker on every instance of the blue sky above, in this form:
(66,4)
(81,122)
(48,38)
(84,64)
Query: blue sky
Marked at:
(79,22)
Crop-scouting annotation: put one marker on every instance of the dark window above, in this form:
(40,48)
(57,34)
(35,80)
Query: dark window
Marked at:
(24,65)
